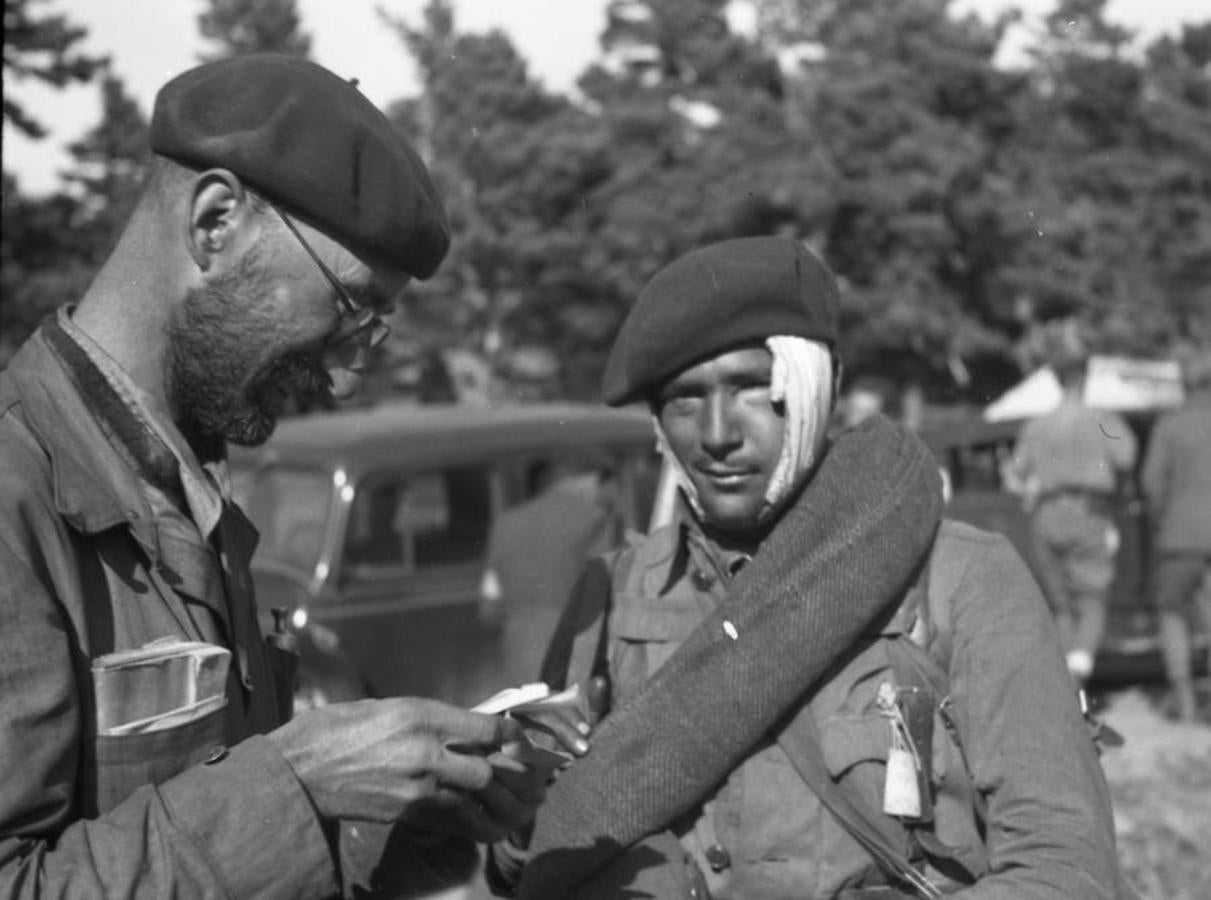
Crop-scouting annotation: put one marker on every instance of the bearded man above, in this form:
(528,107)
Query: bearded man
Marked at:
(808,685)
(281,218)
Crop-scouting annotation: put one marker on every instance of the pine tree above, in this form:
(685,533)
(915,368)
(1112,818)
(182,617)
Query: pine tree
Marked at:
(253,26)
(513,162)
(905,114)
(43,48)
(1119,188)
(109,162)
(40,246)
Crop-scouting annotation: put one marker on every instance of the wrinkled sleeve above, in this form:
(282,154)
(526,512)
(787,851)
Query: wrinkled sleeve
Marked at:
(241,827)
(1050,828)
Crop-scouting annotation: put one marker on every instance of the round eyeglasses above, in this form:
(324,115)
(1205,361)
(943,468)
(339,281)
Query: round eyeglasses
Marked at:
(361,323)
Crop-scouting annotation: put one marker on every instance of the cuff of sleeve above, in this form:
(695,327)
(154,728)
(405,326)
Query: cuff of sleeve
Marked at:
(502,870)
(250,815)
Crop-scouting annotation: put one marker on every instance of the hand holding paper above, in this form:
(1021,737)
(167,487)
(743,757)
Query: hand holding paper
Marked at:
(535,707)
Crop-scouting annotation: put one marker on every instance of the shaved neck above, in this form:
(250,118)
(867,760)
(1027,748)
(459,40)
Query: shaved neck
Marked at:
(127,306)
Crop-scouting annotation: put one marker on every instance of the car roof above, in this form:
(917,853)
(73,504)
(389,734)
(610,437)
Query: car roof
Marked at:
(404,434)
(974,431)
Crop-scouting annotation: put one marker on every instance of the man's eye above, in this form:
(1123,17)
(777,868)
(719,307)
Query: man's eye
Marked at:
(681,405)
(756,389)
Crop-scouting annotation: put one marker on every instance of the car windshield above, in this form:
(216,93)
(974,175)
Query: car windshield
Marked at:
(290,509)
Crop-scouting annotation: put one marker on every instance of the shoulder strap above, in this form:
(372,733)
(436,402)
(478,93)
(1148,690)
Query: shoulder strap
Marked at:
(924,660)
(579,646)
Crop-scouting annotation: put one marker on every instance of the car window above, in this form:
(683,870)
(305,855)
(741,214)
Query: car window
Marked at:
(290,508)
(450,515)
(627,472)
(981,466)
(399,524)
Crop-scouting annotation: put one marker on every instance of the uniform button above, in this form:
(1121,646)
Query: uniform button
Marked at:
(218,754)
(718,858)
(702,580)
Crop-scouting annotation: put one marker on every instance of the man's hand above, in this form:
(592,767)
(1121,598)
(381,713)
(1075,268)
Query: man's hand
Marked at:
(405,759)
(524,771)
(506,804)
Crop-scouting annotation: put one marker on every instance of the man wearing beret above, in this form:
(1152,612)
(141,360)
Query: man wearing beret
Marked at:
(809,684)
(281,217)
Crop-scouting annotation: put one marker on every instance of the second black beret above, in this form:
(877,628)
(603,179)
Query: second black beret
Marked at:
(715,298)
(311,141)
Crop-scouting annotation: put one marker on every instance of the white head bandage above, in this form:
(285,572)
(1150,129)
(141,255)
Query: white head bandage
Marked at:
(801,381)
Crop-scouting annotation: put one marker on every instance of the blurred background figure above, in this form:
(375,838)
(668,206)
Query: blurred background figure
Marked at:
(536,551)
(868,395)
(1176,480)
(1067,465)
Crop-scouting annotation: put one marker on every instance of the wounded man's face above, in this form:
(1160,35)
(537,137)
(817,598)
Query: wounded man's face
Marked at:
(727,433)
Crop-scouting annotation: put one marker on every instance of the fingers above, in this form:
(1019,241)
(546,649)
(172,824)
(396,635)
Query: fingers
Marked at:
(528,785)
(465,771)
(457,726)
(508,810)
(568,730)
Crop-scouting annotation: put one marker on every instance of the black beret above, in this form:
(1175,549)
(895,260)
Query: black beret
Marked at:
(718,297)
(311,141)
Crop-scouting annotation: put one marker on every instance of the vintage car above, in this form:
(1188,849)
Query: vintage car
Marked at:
(373,530)
(972,454)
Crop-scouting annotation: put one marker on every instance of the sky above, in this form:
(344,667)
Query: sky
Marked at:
(152,40)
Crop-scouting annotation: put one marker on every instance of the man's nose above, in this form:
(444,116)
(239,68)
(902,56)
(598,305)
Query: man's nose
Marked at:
(346,363)
(720,431)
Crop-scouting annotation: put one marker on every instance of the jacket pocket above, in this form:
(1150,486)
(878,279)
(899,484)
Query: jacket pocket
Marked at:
(848,741)
(112,767)
(643,635)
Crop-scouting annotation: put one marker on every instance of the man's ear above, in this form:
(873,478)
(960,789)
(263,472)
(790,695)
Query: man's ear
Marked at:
(219,205)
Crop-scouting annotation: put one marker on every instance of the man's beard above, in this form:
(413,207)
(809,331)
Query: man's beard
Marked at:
(216,343)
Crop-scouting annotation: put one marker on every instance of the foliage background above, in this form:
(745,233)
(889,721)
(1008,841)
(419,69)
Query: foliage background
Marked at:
(977,215)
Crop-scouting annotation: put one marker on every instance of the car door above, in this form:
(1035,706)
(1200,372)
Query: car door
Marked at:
(406,600)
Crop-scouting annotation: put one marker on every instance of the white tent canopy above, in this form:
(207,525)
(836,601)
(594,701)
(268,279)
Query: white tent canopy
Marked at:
(1112,382)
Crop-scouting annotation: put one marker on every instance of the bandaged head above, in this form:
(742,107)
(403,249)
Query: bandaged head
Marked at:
(769,290)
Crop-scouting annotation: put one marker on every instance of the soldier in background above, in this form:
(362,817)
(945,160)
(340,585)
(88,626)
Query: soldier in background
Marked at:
(1067,465)
(1176,480)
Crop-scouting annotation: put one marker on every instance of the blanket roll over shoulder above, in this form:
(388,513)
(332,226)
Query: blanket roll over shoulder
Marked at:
(839,558)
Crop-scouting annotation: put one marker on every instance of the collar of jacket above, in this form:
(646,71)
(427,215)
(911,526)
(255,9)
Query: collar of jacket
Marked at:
(681,550)
(97,476)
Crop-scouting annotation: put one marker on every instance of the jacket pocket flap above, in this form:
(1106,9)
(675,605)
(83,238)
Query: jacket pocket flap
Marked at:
(846,741)
(636,619)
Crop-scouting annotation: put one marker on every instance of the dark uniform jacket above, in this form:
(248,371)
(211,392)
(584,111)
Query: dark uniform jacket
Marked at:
(86,567)
(1022,745)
